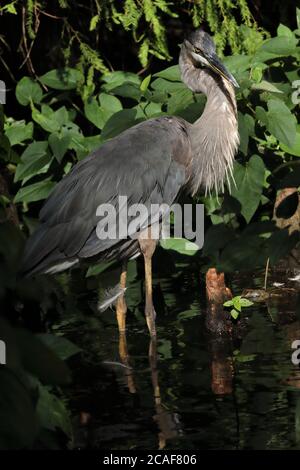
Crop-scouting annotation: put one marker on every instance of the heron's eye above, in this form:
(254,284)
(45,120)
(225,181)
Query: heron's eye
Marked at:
(197,50)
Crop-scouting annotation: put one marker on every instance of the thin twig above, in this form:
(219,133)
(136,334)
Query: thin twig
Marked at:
(28,61)
(266,274)
(27,55)
(27,51)
(8,70)
(51,16)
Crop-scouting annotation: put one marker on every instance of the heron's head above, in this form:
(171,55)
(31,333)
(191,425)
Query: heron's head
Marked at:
(201,49)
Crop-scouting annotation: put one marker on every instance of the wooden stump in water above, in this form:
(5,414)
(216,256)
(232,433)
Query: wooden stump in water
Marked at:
(216,290)
(216,293)
(218,324)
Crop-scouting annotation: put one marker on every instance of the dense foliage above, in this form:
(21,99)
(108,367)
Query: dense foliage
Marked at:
(144,20)
(103,35)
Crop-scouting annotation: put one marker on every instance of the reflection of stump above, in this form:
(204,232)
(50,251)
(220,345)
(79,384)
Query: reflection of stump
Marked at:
(216,293)
(221,367)
(221,382)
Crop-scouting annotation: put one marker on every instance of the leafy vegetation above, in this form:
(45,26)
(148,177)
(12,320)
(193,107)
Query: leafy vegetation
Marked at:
(237,304)
(30,412)
(145,21)
(63,114)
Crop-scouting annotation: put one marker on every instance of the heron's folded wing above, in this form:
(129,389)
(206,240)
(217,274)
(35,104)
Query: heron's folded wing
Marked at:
(140,164)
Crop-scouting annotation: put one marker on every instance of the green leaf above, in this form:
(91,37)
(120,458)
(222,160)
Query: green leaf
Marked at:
(162,85)
(63,79)
(256,74)
(280,46)
(187,314)
(34,192)
(94,21)
(92,142)
(40,360)
(238,255)
(10,8)
(245,302)
(59,144)
(119,122)
(116,79)
(216,238)
(46,119)
(298,17)
(181,245)
(128,90)
(110,103)
(61,116)
(148,110)
(61,346)
(237,303)
(234,313)
(28,91)
(281,122)
(261,115)
(99,115)
(265,86)
(18,421)
(245,358)
(95,113)
(249,185)
(280,244)
(145,83)
(171,73)
(96,269)
(243,132)
(18,131)
(52,412)
(179,100)
(237,63)
(295,149)
(164,349)
(34,159)
(284,31)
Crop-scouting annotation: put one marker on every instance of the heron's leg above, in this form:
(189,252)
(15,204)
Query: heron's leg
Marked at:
(167,421)
(121,307)
(148,246)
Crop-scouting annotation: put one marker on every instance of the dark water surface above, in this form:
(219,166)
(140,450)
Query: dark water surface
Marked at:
(196,392)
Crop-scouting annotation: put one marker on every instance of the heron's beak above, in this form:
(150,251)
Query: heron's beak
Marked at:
(216,65)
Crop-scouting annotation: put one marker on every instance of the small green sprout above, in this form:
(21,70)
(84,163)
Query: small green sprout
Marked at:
(237,303)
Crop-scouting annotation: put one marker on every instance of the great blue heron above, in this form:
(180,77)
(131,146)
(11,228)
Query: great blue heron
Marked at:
(150,163)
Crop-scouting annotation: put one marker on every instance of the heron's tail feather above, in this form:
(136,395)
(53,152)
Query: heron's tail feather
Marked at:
(40,252)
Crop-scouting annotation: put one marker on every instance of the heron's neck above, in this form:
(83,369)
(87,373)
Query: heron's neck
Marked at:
(214,136)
